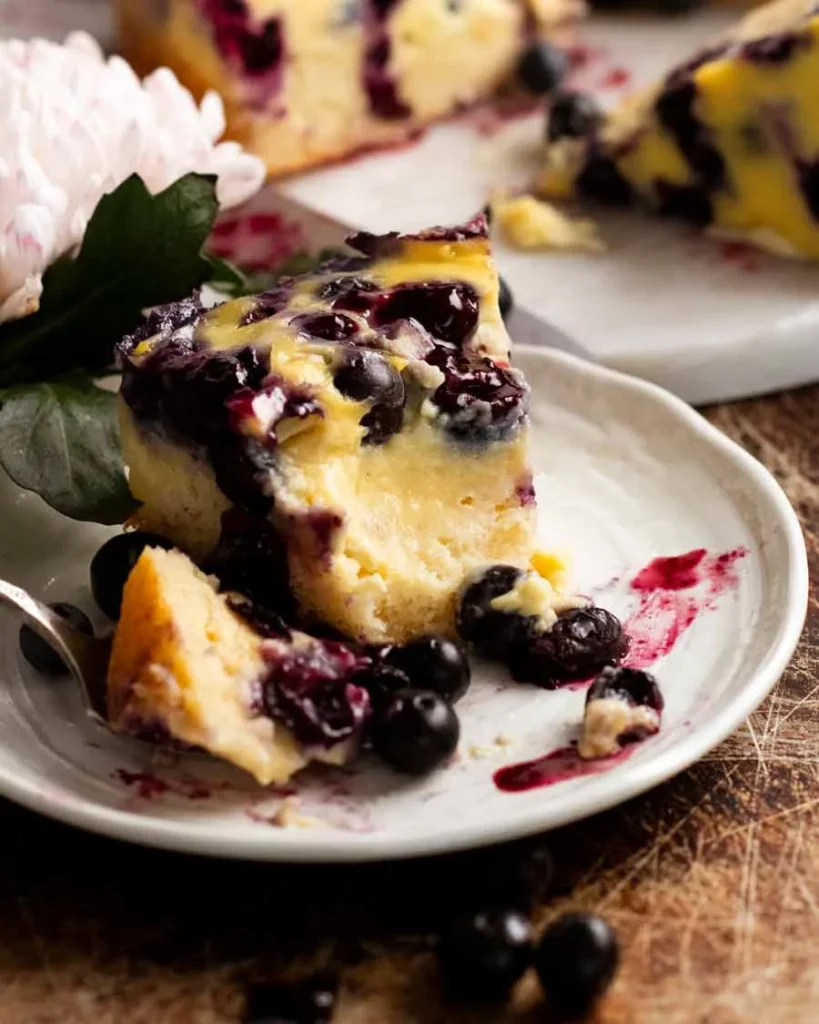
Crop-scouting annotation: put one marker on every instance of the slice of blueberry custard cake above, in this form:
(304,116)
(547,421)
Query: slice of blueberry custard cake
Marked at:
(306,81)
(347,450)
(728,139)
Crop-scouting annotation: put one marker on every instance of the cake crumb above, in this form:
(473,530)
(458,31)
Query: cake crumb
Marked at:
(530,223)
(287,815)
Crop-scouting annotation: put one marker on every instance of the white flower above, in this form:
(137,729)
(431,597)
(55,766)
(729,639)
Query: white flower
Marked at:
(73,126)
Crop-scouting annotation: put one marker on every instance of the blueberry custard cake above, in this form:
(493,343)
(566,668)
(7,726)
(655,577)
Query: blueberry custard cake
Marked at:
(726,140)
(335,485)
(307,81)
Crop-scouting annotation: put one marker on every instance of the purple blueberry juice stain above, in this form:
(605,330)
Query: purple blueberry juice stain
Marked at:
(560,765)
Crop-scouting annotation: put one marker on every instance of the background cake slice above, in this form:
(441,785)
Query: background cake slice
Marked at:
(354,439)
(186,665)
(729,139)
(306,81)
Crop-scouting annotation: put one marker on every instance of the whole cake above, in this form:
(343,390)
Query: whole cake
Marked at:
(349,445)
(306,81)
(729,139)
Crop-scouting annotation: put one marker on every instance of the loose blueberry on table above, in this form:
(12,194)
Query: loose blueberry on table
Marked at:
(576,960)
(483,954)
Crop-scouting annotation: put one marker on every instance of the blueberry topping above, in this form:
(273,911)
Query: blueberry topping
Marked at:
(256,46)
(267,622)
(506,300)
(482,955)
(112,564)
(777,48)
(448,311)
(482,402)
(354,294)
(433,663)
(308,1002)
(635,687)
(380,83)
(164,320)
(261,48)
(310,689)
(416,732)
(571,116)
(250,558)
(676,112)
(542,68)
(580,644)
(576,960)
(601,181)
(686,202)
(326,326)
(366,376)
(39,654)
(490,631)
(265,305)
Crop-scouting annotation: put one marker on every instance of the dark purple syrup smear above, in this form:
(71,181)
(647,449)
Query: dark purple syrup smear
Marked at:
(559,765)
(255,47)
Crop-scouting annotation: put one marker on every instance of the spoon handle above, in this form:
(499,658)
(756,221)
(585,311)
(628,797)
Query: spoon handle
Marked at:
(86,657)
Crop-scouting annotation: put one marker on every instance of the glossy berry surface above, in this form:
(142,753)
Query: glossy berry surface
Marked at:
(39,654)
(416,732)
(481,402)
(112,564)
(482,955)
(434,663)
(572,115)
(489,631)
(309,1002)
(326,326)
(366,376)
(580,644)
(448,311)
(354,294)
(382,682)
(631,685)
(542,68)
(506,300)
(576,960)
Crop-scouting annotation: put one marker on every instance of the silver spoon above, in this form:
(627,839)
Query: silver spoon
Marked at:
(85,656)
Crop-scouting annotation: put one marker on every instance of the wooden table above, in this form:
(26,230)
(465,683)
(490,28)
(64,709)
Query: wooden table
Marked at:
(712,880)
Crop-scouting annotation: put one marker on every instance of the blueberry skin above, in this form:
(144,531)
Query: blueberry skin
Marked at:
(542,68)
(491,632)
(416,732)
(572,116)
(576,960)
(580,644)
(112,564)
(631,685)
(43,657)
(434,663)
(482,955)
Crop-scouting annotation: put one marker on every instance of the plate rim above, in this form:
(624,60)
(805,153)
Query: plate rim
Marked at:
(629,781)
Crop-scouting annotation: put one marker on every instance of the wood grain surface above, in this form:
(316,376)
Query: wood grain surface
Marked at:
(711,880)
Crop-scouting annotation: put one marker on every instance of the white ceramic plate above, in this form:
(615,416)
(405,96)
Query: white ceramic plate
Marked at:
(625,473)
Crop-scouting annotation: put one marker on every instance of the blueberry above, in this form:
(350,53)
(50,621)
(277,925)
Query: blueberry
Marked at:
(449,311)
(326,326)
(366,376)
(261,48)
(580,644)
(382,681)
(506,300)
(576,960)
(601,181)
(572,115)
(112,565)
(483,954)
(308,1002)
(434,663)
(482,402)
(39,654)
(631,685)
(354,294)
(266,304)
(488,630)
(542,67)
(416,732)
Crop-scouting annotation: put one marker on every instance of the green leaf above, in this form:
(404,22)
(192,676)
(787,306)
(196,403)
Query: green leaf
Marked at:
(61,440)
(227,278)
(139,250)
